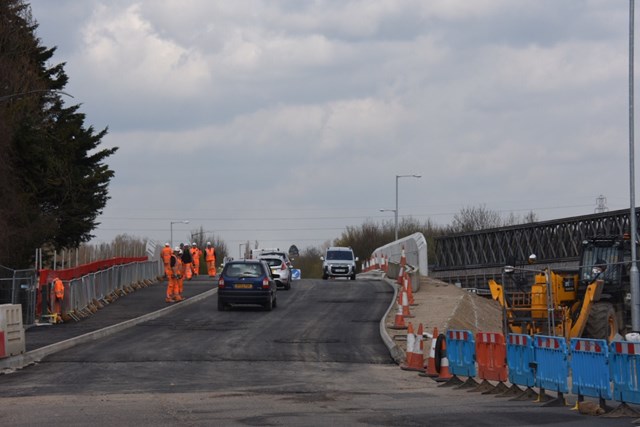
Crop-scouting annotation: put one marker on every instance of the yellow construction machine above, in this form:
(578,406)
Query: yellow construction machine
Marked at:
(592,301)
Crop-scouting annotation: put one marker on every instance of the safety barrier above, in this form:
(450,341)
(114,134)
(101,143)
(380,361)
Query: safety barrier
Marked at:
(13,339)
(625,369)
(81,292)
(461,349)
(491,355)
(545,362)
(520,359)
(590,368)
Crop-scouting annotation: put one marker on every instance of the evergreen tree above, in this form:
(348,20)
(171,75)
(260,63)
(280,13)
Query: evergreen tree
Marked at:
(54,179)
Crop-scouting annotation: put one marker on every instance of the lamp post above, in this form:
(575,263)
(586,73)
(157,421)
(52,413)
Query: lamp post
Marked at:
(396,211)
(184,221)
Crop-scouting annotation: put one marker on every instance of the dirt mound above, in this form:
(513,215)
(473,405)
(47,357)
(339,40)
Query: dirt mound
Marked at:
(444,306)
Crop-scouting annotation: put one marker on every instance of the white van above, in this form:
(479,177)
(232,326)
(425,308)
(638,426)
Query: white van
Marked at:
(339,262)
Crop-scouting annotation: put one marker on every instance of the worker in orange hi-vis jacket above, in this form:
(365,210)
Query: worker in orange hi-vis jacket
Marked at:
(58,296)
(175,277)
(210,258)
(165,255)
(195,256)
(187,262)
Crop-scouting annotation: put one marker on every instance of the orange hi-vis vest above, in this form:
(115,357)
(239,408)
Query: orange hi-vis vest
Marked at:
(58,288)
(165,254)
(210,254)
(177,265)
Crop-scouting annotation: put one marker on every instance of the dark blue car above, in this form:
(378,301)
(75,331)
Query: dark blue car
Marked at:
(247,281)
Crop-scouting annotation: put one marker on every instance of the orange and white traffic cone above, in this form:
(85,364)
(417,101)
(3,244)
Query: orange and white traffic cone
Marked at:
(431,370)
(399,320)
(411,339)
(415,360)
(408,288)
(405,305)
(445,375)
(403,263)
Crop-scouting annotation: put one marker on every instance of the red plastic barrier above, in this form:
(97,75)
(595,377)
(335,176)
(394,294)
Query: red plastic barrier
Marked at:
(46,276)
(491,355)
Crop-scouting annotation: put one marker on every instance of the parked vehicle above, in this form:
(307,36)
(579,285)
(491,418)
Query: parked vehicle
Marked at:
(247,282)
(279,267)
(339,262)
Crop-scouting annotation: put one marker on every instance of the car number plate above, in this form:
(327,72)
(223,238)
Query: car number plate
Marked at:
(243,286)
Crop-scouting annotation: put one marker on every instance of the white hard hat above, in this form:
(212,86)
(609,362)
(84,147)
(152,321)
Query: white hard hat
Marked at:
(167,244)
(208,243)
(176,249)
(194,244)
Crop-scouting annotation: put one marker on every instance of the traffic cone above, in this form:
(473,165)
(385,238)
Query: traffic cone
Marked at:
(431,370)
(399,320)
(416,361)
(408,288)
(411,339)
(405,305)
(444,375)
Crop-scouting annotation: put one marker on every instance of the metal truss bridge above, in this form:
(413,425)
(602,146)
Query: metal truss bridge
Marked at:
(471,259)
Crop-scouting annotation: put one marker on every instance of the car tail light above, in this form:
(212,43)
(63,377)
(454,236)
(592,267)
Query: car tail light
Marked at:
(221,283)
(265,283)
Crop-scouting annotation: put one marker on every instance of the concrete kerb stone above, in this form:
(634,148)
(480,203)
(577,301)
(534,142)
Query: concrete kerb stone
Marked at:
(10,364)
(397,354)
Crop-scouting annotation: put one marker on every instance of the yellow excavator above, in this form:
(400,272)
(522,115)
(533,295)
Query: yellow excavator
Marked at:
(592,301)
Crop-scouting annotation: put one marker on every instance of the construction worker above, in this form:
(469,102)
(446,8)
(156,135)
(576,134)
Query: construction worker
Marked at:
(58,297)
(187,262)
(210,258)
(165,255)
(195,255)
(175,276)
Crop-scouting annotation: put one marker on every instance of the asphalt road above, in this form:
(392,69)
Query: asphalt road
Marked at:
(317,359)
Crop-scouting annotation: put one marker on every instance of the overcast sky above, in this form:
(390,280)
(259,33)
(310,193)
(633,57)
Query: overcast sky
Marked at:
(286,121)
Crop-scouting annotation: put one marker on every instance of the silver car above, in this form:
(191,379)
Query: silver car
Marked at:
(279,266)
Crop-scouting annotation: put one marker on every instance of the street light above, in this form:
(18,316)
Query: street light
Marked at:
(184,221)
(396,211)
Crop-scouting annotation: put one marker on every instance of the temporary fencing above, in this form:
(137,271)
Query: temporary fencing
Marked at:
(461,352)
(521,362)
(491,355)
(625,369)
(552,366)
(590,369)
(81,292)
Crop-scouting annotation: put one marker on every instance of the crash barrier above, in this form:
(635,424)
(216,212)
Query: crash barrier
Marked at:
(590,368)
(461,353)
(11,330)
(81,292)
(625,370)
(552,365)
(491,355)
(415,246)
(520,359)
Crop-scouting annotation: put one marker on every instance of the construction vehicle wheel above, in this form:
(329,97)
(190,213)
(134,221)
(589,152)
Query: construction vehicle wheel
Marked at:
(603,322)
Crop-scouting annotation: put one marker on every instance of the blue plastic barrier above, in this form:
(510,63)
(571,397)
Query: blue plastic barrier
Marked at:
(552,363)
(461,352)
(590,368)
(624,359)
(520,355)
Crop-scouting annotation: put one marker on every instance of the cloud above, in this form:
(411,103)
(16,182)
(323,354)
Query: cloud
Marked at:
(310,109)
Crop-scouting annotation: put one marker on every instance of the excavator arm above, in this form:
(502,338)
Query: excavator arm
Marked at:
(591,295)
